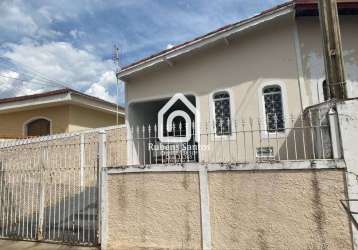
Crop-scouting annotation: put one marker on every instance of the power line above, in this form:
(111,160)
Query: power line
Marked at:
(31,72)
(14,62)
(12,87)
(29,81)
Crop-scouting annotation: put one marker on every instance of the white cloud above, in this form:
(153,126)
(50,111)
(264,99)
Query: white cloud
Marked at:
(105,88)
(13,19)
(60,61)
(20,20)
(9,86)
(100,91)
(6,80)
(63,63)
(76,33)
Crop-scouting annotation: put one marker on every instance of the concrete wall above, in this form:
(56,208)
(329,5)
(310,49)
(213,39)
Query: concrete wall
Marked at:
(291,207)
(278,210)
(348,121)
(154,211)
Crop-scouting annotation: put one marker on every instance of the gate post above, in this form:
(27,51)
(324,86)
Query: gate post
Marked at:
(335,137)
(102,163)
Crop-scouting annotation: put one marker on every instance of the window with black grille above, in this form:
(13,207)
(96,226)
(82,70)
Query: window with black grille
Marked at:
(222,113)
(273,108)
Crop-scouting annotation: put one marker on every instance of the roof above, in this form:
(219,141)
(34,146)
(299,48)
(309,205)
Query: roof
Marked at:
(304,7)
(57,96)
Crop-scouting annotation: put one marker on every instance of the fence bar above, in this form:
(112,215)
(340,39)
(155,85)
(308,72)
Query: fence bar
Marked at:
(102,163)
(82,158)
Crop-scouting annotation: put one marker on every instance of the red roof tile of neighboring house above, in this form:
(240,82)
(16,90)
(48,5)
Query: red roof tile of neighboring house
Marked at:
(315,1)
(309,7)
(305,7)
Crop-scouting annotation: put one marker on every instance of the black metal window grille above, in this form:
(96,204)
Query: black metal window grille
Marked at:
(222,113)
(273,108)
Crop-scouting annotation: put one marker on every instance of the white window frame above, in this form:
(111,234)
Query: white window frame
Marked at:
(213,118)
(24,129)
(264,133)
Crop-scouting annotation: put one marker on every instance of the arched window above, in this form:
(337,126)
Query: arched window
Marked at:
(222,113)
(325,88)
(273,108)
(38,127)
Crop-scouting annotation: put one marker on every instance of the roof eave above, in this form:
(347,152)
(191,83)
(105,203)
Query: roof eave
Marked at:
(93,104)
(195,44)
(60,99)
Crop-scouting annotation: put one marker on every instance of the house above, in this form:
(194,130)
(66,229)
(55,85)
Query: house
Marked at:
(259,74)
(53,112)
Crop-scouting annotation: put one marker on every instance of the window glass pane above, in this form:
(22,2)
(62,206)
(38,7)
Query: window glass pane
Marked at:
(222,113)
(273,108)
(39,127)
(221,95)
(325,90)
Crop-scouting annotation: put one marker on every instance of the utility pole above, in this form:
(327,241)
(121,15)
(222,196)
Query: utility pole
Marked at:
(115,58)
(332,49)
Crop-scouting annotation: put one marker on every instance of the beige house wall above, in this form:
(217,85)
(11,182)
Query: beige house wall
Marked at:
(81,118)
(12,124)
(313,64)
(266,54)
(262,54)
(267,209)
(64,118)
(251,60)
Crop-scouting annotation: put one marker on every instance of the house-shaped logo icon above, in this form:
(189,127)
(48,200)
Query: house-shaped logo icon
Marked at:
(170,119)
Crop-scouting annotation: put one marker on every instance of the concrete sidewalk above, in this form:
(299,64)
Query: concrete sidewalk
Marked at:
(18,245)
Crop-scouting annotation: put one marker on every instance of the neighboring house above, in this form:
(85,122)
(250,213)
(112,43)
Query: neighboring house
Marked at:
(53,112)
(267,67)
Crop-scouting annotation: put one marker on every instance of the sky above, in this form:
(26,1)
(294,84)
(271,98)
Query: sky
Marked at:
(51,44)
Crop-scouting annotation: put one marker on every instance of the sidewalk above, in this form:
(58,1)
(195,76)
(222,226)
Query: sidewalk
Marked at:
(28,245)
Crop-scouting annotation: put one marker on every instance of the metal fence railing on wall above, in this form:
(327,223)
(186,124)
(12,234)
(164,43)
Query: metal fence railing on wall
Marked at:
(303,137)
(49,187)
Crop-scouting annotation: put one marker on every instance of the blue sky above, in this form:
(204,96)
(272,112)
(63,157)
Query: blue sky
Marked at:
(51,44)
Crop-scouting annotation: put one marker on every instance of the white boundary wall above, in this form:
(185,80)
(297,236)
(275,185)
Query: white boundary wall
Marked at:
(202,170)
(348,120)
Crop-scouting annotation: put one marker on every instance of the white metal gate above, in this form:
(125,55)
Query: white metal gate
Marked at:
(48,191)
